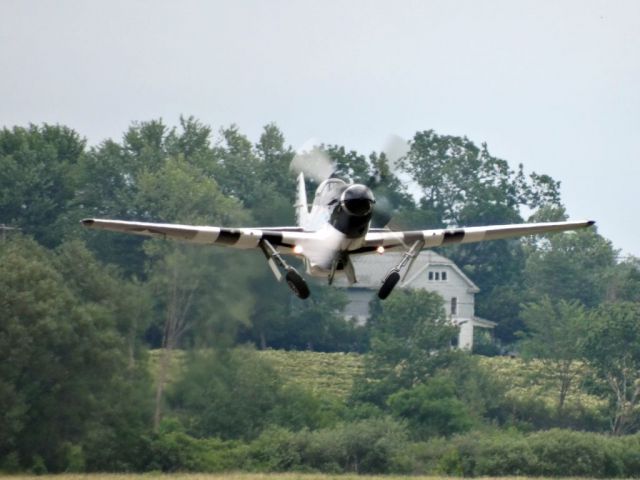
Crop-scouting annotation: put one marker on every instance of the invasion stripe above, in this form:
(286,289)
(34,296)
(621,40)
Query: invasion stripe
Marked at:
(274,238)
(453,236)
(228,236)
(412,237)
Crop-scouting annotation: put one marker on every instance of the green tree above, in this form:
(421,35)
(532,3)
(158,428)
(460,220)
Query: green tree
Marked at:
(39,176)
(462,184)
(228,394)
(65,360)
(554,335)
(624,283)
(432,409)
(410,340)
(465,185)
(570,266)
(612,349)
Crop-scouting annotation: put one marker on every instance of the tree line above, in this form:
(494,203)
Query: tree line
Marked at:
(82,309)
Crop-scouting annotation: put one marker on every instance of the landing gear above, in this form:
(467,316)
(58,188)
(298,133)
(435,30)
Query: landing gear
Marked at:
(393,277)
(390,281)
(343,263)
(296,283)
(278,266)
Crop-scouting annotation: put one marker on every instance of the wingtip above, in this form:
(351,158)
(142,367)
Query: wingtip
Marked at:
(87,222)
(590,223)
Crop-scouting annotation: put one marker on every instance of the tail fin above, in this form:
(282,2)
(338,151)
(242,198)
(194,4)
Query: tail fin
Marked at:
(302,209)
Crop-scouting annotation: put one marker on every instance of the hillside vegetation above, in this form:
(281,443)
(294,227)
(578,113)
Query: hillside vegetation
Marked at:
(121,353)
(334,374)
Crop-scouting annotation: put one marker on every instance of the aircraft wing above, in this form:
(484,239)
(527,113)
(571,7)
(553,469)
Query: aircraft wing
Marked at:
(436,238)
(283,237)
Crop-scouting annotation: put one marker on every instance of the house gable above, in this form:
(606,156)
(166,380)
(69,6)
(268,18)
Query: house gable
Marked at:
(431,272)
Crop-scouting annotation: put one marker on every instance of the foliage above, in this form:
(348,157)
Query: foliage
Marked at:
(549,453)
(530,397)
(75,388)
(237,394)
(330,374)
(69,372)
(367,446)
(612,348)
(431,409)
(463,183)
(554,335)
(39,175)
(175,451)
(410,339)
(573,266)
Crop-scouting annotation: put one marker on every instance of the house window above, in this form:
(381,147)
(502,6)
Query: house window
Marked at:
(437,275)
(430,275)
(454,305)
(444,276)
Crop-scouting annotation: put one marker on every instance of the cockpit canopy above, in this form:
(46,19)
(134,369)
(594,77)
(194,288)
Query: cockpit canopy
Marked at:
(329,190)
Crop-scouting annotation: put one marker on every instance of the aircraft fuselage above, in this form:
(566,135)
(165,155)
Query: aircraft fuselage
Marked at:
(340,216)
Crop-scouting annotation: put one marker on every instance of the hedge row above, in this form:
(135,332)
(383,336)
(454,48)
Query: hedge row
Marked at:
(383,446)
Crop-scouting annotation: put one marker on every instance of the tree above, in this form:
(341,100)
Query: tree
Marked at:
(65,366)
(612,349)
(39,175)
(624,283)
(570,266)
(432,409)
(190,291)
(228,394)
(410,340)
(465,185)
(554,335)
(462,184)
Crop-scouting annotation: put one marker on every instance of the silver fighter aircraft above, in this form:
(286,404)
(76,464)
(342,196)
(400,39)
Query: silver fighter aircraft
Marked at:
(327,236)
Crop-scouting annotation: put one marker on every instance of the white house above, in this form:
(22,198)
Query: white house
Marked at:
(430,271)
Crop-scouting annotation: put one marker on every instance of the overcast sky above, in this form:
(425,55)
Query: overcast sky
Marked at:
(554,85)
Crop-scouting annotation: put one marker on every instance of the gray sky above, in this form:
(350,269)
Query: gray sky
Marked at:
(554,85)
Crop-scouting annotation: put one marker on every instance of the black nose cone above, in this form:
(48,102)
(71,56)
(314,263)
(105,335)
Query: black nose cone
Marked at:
(357,200)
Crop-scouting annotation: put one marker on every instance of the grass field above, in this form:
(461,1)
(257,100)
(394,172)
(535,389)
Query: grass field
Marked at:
(242,476)
(319,372)
(333,373)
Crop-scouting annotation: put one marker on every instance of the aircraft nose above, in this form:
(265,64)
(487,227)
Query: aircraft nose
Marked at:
(357,200)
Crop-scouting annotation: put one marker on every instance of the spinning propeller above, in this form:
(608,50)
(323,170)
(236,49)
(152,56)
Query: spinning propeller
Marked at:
(315,163)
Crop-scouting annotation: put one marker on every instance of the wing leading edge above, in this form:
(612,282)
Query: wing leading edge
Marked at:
(285,238)
(244,238)
(436,238)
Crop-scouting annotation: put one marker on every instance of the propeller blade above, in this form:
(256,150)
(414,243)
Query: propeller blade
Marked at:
(395,149)
(311,160)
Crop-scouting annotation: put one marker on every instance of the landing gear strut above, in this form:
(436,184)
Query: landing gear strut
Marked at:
(279,267)
(393,277)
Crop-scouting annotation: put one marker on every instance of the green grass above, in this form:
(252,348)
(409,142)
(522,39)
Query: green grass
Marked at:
(531,380)
(242,476)
(333,373)
(319,372)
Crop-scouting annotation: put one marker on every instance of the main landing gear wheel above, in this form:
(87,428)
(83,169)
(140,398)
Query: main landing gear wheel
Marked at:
(296,283)
(387,286)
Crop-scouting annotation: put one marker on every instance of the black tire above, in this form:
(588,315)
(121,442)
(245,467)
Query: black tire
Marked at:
(297,284)
(392,279)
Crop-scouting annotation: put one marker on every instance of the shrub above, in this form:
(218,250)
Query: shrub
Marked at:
(178,452)
(367,446)
(432,409)
(551,453)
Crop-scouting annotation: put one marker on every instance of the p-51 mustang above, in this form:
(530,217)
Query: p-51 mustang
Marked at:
(326,238)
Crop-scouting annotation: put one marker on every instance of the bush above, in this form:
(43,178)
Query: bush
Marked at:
(179,452)
(551,453)
(367,446)
(432,409)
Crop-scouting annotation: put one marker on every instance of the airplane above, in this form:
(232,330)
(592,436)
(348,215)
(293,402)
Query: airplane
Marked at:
(326,237)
